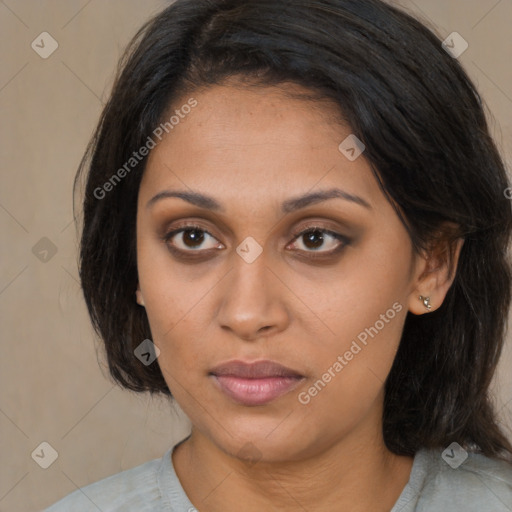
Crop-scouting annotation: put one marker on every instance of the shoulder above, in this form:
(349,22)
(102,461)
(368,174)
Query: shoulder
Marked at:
(134,489)
(458,480)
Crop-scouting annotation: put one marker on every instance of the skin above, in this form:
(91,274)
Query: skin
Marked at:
(252,149)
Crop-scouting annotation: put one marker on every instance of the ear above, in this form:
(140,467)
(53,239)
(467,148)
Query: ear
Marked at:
(435,271)
(138,295)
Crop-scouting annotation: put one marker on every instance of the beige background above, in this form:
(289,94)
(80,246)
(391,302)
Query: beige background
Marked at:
(51,386)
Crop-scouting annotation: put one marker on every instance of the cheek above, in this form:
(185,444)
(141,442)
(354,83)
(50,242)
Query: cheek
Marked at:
(353,296)
(178,319)
(177,303)
(352,370)
(365,310)
(179,332)
(170,291)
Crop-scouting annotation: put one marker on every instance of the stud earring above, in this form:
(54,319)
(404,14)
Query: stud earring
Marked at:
(426,302)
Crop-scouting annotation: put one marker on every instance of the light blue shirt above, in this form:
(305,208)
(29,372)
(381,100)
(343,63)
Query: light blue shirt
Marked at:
(479,484)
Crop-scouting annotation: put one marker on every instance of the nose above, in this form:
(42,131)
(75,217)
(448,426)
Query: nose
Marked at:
(253,302)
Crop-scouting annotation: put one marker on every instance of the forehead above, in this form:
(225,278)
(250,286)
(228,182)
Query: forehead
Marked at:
(259,141)
(228,117)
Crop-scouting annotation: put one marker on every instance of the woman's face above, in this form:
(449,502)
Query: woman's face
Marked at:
(282,248)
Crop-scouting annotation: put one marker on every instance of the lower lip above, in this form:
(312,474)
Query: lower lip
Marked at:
(255,391)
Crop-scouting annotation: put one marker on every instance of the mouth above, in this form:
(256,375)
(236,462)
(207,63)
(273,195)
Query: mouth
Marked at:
(255,383)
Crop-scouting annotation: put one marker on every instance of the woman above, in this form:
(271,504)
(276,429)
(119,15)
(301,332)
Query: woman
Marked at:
(296,225)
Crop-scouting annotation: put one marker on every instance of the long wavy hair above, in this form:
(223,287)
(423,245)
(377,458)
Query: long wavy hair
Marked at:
(426,138)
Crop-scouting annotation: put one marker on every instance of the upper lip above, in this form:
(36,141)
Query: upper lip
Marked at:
(255,370)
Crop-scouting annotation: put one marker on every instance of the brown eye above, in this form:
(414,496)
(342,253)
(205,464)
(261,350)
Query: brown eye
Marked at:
(313,239)
(191,239)
(319,240)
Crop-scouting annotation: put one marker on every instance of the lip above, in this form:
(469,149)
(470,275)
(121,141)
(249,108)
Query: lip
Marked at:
(256,383)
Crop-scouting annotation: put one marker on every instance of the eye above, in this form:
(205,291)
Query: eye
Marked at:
(319,240)
(191,239)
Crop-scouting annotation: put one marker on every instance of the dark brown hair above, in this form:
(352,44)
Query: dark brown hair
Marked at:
(426,138)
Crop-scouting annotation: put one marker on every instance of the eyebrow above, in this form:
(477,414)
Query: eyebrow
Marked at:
(289,206)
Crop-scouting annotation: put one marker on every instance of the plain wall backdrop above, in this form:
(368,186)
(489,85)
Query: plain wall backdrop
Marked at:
(52,388)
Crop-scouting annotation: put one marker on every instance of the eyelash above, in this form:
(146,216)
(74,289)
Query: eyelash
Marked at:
(312,254)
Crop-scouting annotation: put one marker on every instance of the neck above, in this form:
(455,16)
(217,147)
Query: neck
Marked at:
(356,473)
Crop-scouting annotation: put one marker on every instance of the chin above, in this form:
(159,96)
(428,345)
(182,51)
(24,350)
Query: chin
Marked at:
(270,440)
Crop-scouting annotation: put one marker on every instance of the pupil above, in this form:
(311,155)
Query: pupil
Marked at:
(314,239)
(194,236)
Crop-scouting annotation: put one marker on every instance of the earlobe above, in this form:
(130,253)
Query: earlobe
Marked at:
(420,304)
(139,298)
